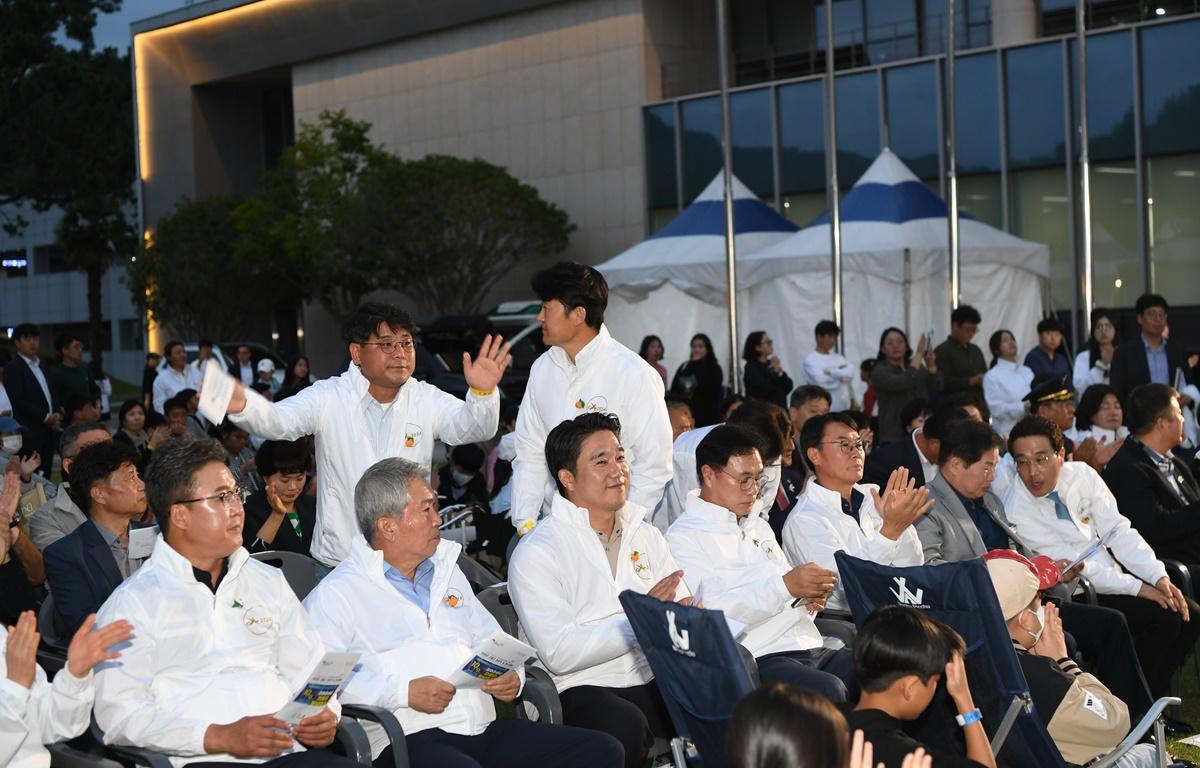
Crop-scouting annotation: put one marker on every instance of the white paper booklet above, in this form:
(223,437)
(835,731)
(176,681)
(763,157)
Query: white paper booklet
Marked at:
(495,656)
(322,684)
(215,392)
(1094,547)
(141,542)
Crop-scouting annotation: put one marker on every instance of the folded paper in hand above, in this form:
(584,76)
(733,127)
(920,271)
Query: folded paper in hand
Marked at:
(215,392)
(1094,547)
(494,657)
(322,684)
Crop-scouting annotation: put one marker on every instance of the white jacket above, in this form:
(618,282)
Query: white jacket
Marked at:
(817,528)
(333,410)
(605,377)
(170,382)
(737,566)
(357,609)
(832,373)
(198,658)
(1004,386)
(566,597)
(42,714)
(684,480)
(1085,375)
(1094,513)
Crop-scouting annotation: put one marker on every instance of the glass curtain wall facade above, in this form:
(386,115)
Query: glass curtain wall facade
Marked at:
(1017,152)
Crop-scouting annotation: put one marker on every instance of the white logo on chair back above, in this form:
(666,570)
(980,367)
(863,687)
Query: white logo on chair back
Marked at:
(680,643)
(904,595)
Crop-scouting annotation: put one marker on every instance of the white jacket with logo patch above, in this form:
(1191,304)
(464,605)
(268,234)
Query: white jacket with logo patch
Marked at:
(41,714)
(198,658)
(737,566)
(357,609)
(566,596)
(333,410)
(607,377)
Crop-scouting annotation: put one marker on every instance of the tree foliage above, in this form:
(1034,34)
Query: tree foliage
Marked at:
(190,277)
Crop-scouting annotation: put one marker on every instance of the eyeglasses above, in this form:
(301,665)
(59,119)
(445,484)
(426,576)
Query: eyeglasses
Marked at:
(1041,460)
(390,347)
(228,499)
(847,447)
(1104,326)
(1155,314)
(754,483)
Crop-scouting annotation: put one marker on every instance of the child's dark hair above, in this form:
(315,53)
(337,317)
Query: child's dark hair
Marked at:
(896,641)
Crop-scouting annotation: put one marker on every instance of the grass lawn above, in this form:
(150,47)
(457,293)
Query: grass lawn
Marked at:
(1190,694)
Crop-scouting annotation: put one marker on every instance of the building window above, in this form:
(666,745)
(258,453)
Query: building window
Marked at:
(660,157)
(48,259)
(977,114)
(1171,88)
(1172,189)
(1110,96)
(1116,254)
(801,137)
(753,160)
(1034,81)
(857,124)
(701,145)
(1040,214)
(912,127)
(131,334)
(979,196)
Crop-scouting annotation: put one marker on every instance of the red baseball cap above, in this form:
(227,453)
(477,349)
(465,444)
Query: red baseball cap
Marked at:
(1043,567)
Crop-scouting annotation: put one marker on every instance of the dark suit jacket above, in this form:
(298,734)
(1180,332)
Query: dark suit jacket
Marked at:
(791,484)
(1129,367)
(28,400)
(258,510)
(1170,525)
(898,453)
(82,574)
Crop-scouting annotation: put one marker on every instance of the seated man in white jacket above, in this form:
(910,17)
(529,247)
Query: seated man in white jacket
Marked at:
(222,643)
(736,565)
(565,578)
(33,712)
(1062,508)
(401,601)
(586,371)
(836,513)
(373,411)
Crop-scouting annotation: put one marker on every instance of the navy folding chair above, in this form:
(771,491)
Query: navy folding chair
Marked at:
(961,595)
(699,670)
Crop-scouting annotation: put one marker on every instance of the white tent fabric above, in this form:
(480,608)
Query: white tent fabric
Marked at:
(895,260)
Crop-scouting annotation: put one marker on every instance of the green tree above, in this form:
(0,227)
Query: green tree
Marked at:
(190,276)
(449,229)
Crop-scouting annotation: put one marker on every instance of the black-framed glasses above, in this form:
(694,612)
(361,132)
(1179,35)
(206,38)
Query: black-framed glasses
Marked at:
(847,447)
(227,498)
(753,483)
(390,347)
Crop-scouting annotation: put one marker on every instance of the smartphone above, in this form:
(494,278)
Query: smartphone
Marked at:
(16,518)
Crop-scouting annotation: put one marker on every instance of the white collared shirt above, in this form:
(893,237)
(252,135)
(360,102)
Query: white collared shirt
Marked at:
(199,657)
(833,373)
(817,528)
(171,382)
(737,565)
(929,468)
(348,443)
(605,377)
(1004,386)
(566,595)
(1094,514)
(35,366)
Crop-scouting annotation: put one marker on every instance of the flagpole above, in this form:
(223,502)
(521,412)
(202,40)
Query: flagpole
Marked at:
(735,380)
(952,161)
(835,218)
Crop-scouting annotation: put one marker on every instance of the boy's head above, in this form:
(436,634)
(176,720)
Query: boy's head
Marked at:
(902,653)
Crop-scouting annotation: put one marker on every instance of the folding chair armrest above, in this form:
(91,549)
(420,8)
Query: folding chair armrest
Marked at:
(391,727)
(539,691)
(750,663)
(51,661)
(138,756)
(1180,576)
(1089,590)
(353,742)
(65,756)
(842,630)
(1150,719)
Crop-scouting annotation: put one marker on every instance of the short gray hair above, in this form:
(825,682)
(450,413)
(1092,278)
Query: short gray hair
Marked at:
(382,491)
(68,446)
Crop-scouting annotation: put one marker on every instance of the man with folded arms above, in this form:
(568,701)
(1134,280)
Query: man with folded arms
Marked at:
(734,561)
(567,573)
(401,601)
(222,643)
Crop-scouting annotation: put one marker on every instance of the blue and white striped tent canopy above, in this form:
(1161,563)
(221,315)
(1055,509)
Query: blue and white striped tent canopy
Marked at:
(689,253)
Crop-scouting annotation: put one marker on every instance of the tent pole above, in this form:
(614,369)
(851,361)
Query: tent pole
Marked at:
(1085,189)
(735,381)
(951,160)
(835,218)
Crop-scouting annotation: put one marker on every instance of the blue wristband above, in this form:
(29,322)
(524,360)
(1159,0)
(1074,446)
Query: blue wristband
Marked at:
(974,716)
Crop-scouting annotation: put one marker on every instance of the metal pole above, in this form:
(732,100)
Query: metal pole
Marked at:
(835,216)
(951,161)
(735,381)
(1085,187)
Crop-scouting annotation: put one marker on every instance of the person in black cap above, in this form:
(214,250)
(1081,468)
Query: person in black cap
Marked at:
(1053,398)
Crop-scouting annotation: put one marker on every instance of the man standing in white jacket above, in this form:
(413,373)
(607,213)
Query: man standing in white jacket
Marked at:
(566,576)
(34,712)
(222,643)
(828,370)
(586,371)
(1061,509)
(737,566)
(402,602)
(373,411)
(837,513)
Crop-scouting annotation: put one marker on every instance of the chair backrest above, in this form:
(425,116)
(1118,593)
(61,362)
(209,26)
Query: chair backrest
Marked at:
(960,595)
(299,570)
(498,602)
(697,666)
(48,624)
(478,575)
